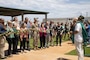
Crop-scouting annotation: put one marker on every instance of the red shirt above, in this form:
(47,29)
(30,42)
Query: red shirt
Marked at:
(42,32)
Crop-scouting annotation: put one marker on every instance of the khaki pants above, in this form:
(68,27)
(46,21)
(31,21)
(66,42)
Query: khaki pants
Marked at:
(2,45)
(47,40)
(79,49)
(35,39)
(2,53)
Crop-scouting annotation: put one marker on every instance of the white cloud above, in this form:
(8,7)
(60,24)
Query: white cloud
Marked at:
(57,8)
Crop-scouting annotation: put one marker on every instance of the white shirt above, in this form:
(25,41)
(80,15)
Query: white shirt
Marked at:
(17,25)
(78,37)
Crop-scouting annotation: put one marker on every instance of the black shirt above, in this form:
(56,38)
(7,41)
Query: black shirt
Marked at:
(59,29)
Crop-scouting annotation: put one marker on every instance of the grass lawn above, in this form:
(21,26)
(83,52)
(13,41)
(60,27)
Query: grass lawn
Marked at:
(63,40)
(54,42)
(73,52)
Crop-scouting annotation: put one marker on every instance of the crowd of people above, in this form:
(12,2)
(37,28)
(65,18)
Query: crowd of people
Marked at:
(23,31)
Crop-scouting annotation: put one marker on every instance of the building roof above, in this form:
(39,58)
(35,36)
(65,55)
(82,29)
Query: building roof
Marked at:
(16,12)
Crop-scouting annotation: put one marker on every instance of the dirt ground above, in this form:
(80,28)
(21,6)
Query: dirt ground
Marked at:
(51,53)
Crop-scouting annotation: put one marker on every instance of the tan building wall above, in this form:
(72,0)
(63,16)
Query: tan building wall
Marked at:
(64,20)
(55,20)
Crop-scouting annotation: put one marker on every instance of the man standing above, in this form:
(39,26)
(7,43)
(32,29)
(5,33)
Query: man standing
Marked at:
(72,28)
(51,33)
(79,37)
(16,28)
(35,34)
(2,39)
(28,26)
(47,41)
(59,30)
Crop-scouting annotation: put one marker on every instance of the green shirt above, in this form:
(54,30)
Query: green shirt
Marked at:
(9,29)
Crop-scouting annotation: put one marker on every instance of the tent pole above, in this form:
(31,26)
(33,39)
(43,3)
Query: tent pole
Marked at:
(45,17)
(22,17)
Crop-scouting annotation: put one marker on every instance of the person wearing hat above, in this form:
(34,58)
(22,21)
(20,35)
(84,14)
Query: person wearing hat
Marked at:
(35,34)
(80,37)
(2,39)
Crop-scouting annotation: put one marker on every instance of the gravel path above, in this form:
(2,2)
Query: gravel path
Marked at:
(51,53)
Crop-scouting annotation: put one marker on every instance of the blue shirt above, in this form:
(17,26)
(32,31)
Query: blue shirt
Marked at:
(88,30)
(28,25)
(2,30)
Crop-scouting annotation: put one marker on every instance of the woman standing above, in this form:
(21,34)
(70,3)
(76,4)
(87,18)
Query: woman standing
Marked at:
(42,36)
(23,36)
(16,29)
(10,38)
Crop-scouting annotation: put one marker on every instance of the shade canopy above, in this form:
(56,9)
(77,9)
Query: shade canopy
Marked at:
(4,11)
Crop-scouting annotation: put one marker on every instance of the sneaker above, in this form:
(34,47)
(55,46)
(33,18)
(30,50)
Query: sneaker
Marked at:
(60,45)
(3,57)
(28,49)
(10,55)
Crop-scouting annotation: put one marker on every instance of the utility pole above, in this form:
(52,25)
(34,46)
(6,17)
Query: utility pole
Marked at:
(86,14)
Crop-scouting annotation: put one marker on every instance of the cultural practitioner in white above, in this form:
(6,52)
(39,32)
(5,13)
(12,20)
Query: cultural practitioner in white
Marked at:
(79,37)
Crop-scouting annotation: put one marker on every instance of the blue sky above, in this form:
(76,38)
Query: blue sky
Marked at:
(56,8)
(77,1)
